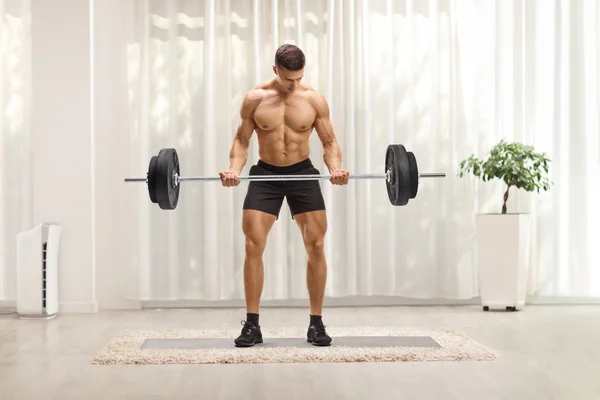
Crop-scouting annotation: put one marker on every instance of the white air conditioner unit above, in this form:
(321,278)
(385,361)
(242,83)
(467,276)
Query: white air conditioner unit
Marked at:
(37,271)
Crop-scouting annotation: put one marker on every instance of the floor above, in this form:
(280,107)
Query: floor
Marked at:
(546,352)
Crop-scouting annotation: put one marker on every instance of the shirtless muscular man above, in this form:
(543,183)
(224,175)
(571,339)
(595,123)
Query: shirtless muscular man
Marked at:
(283,111)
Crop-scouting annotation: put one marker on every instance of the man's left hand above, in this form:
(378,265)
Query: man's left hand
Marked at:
(339,177)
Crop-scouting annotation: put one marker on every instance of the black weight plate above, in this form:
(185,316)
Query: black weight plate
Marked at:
(167,192)
(414,174)
(151,177)
(398,186)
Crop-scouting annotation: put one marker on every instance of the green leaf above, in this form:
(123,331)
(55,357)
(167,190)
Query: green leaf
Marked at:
(512,163)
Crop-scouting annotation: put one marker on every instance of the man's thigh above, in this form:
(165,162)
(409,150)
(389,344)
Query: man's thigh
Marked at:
(256,225)
(312,224)
(264,196)
(304,197)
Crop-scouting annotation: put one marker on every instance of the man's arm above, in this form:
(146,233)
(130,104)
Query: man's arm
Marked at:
(332,152)
(238,154)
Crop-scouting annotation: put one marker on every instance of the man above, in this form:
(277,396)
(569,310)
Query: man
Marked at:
(283,111)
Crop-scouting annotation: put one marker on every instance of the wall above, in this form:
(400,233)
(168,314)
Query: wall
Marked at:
(61,142)
(78,149)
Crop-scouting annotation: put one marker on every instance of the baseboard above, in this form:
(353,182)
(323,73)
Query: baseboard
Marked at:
(361,301)
(568,300)
(354,301)
(8,307)
(78,308)
(119,305)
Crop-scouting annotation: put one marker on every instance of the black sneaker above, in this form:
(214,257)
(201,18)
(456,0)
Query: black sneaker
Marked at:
(250,335)
(317,335)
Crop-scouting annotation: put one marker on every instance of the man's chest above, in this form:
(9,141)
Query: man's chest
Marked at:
(295,112)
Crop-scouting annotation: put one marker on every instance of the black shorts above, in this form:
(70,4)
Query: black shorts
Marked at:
(301,196)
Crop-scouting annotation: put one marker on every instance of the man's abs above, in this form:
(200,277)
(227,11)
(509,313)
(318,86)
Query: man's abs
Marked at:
(283,129)
(283,146)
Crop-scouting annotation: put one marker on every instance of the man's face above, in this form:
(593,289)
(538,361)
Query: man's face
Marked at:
(289,80)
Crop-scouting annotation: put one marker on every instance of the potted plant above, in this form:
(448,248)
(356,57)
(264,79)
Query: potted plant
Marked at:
(503,238)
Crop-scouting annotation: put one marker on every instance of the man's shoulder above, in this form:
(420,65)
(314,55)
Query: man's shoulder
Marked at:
(311,93)
(254,96)
(316,98)
(262,88)
(259,92)
(250,101)
(308,89)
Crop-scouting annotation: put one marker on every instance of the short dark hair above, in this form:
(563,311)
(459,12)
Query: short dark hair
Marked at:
(289,57)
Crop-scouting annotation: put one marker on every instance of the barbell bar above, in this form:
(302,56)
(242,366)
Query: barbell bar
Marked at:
(266,178)
(401,175)
(286,177)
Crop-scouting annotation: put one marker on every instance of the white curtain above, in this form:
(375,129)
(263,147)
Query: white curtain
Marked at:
(446,78)
(15,103)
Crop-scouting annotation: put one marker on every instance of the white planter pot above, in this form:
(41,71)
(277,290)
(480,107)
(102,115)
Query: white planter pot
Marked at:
(503,259)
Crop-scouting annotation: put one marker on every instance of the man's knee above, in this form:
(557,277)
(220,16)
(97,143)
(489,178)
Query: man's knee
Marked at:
(315,247)
(256,226)
(255,246)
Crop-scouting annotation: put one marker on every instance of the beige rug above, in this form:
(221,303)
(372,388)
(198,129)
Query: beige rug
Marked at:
(455,346)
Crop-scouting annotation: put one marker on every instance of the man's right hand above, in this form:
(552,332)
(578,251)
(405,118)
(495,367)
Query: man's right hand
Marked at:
(229,178)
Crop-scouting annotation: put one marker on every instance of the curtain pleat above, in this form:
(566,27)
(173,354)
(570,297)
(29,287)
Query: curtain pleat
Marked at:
(445,78)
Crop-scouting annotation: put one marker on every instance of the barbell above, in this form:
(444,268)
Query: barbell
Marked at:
(401,176)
